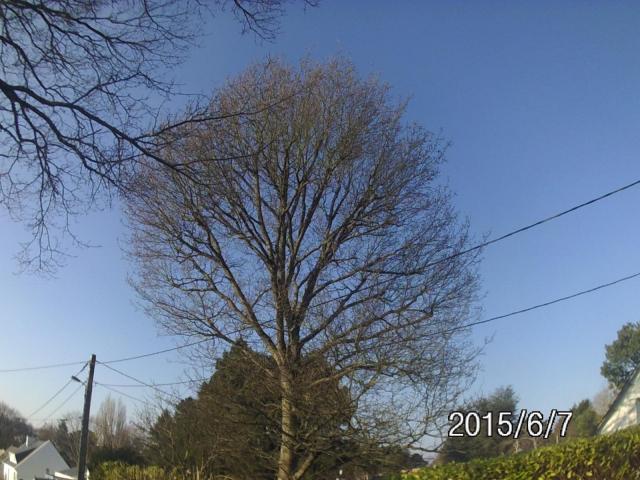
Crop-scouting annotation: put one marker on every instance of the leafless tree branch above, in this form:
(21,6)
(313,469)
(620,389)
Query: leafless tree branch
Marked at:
(318,244)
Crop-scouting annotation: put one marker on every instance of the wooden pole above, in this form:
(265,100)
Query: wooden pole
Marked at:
(84,437)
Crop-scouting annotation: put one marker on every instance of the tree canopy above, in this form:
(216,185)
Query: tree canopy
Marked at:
(323,239)
(622,356)
(13,427)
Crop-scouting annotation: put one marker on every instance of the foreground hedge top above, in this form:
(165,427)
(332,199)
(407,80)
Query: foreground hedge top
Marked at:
(611,457)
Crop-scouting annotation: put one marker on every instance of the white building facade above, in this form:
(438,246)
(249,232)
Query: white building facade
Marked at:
(625,410)
(34,460)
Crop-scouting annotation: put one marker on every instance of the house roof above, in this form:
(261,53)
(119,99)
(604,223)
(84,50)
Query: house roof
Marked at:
(71,473)
(619,397)
(21,453)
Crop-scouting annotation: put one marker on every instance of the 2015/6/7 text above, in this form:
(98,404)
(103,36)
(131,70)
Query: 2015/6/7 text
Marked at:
(508,424)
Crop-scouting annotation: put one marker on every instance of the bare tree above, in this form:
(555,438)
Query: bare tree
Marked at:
(13,426)
(603,400)
(323,242)
(80,95)
(110,424)
(65,434)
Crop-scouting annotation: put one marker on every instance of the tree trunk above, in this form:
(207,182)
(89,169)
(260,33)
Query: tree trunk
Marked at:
(285,460)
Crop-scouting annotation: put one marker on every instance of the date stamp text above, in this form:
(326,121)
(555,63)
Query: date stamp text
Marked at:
(509,424)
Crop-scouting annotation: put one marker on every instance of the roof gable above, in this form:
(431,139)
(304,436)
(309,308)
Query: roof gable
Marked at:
(635,376)
(23,452)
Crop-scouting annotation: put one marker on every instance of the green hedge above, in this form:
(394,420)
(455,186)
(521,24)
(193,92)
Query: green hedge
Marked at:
(122,471)
(609,457)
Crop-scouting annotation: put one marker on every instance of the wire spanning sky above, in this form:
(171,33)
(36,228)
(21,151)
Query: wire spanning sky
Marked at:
(541,104)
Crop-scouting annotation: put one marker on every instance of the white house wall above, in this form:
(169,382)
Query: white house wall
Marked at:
(9,473)
(36,464)
(624,414)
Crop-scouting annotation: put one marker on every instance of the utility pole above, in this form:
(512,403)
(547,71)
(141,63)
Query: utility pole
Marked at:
(84,437)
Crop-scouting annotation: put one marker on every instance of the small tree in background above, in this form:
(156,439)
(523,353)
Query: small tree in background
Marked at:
(622,357)
(65,435)
(116,439)
(13,427)
(462,449)
(584,422)
(110,424)
(603,400)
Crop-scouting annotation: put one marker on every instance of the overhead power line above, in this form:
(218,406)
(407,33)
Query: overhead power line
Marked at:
(108,387)
(42,367)
(53,397)
(538,223)
(50,399)
(455,255)
(117,360)
(461,327)
(137,380)
(151,354)
(66,400)
(472,324)
(539,305)
(66,418)
(130,385)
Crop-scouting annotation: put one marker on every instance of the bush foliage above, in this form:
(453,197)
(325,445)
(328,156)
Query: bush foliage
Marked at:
(611,457)
(123,471)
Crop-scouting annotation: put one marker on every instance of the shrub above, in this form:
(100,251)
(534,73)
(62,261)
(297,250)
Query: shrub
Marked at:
(610,457)
(123,471)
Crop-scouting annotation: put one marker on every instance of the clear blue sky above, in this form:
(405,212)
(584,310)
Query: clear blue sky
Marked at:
(541,101)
